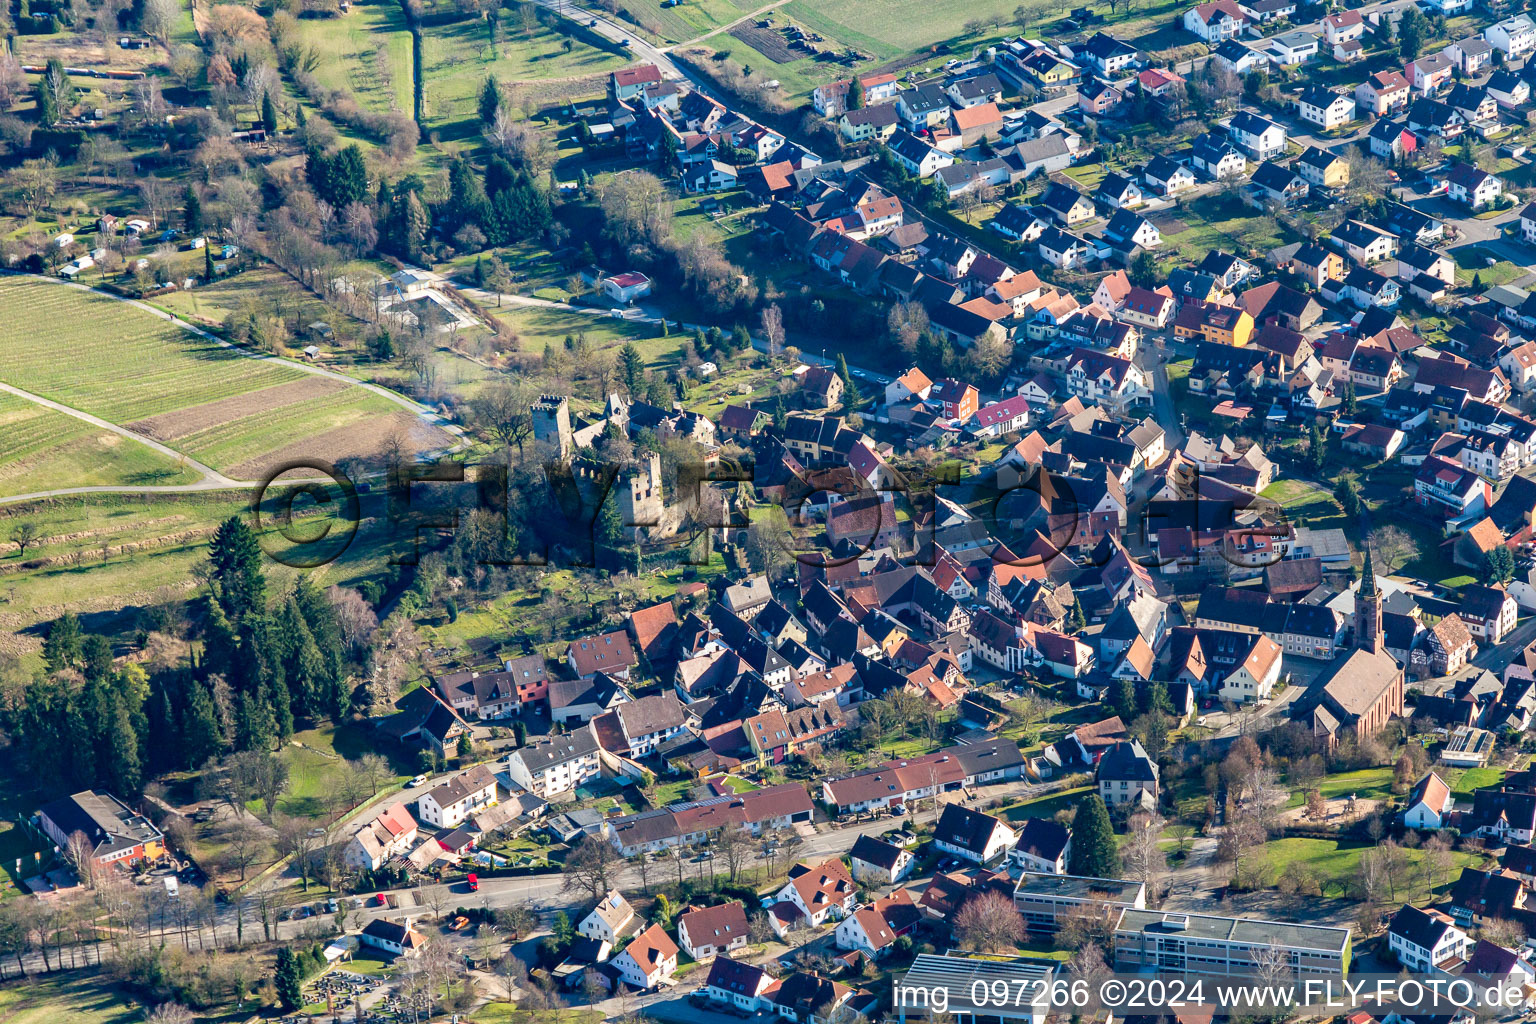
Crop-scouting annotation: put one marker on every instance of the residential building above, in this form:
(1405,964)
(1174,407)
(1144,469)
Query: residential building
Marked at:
(557,764)
(1325,108)
(1423,940)
(712,931)
(451,803)
(972,835)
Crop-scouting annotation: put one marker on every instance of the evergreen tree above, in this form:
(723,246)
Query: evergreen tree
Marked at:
(288,979)
(610,525)
(62,648)
(856,94)
(96,658)
(1349,405)
(842,370)
(632,369)
(348,178)
(1498,566)
(255,727)
(47,104)
(1094,853)
(268,114)
(1079,618)
(467,203)
(200,737)
(1124,701)
(1157,699)
(193,209)
(414,226)
(235,559)
(1317,450)
(741,338)
(207,263)
(490,100)
(120,753)
(520,732)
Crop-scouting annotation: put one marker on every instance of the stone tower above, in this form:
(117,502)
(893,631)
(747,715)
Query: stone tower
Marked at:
(1368,609)
(552,423)
(638,489)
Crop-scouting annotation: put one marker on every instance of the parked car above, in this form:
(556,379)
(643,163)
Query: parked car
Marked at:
(418,780)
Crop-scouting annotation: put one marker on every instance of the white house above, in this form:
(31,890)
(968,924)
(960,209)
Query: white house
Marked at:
(1428,803)
(736,984)
(876,861)
(1473,186)
(391,833)
(395,937)
(1257,136)
(1216,21)
(821,892)
(1290,48)
(451,803)
(972,835)
(557,764)
(874,929)
(1326,108)
(1043,847)
(612,918)
(1515,35)
(648,960)
(1422,939)
(711,931)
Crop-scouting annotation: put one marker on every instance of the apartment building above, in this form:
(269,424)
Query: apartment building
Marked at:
(556,765)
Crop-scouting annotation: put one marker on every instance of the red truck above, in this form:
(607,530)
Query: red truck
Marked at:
(474,882)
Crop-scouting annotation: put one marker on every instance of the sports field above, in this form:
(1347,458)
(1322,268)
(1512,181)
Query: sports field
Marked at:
(234,413)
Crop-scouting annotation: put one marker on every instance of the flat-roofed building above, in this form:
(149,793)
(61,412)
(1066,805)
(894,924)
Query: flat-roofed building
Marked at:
(954,977)
(1047,900)
(1202,944)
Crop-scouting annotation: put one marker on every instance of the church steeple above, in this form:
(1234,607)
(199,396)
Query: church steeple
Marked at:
(1368,609)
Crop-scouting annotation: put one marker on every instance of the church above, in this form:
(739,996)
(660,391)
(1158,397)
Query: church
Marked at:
(1364,690)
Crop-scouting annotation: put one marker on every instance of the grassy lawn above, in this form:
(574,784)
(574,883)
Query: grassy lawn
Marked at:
(1472,261)
(366,51)
(1088,175)
(538,327)
(1337,865)
(1307,505)
(1222,222)
(71,999)
(1047,806)
(460,55)
(689,20)
(1466,781)
(106,555)
(1367,783)
(506,1013)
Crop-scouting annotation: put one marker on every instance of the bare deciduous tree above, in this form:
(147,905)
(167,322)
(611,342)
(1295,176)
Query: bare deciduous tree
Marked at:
(989,923)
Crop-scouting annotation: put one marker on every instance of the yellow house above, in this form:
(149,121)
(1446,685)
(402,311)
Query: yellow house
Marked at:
(1319,167)
(1226,325)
